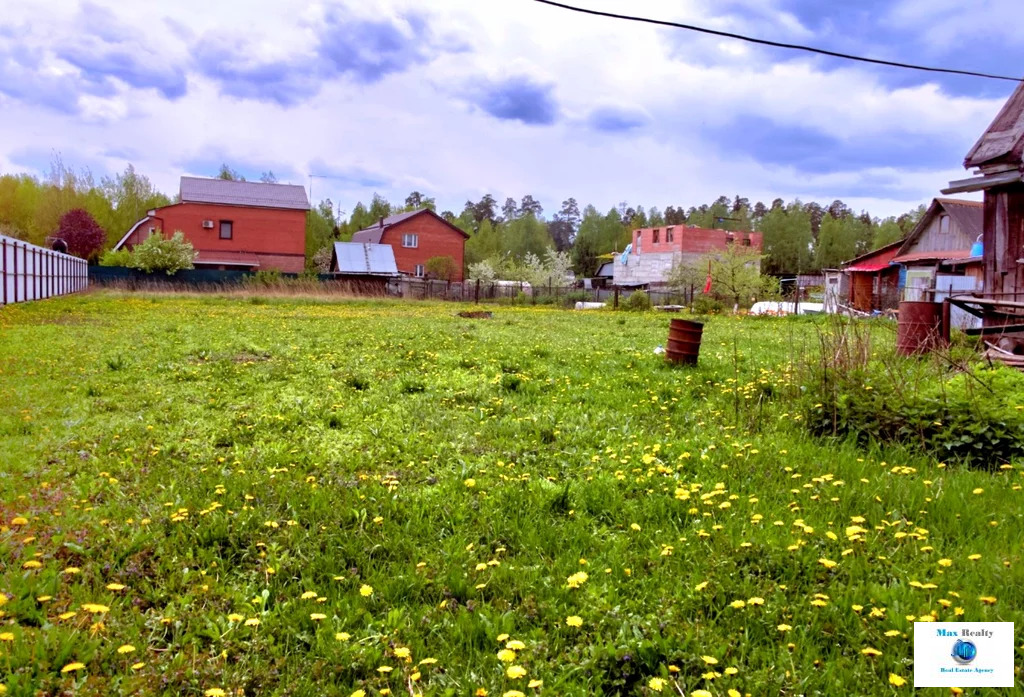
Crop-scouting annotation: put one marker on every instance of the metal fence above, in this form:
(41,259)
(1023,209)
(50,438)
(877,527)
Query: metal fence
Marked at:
(28,272)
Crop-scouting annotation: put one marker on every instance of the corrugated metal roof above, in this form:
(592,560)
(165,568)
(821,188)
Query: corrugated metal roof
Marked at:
(364,258)
(938,255)
(868,266)
(235,193)
(882,255)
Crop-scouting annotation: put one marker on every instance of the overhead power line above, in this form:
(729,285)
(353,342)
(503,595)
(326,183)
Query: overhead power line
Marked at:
(776,44)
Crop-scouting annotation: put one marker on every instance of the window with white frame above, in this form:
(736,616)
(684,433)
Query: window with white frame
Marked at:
(419,271)
(411,240)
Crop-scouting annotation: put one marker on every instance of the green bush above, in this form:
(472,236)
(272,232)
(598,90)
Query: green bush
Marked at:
(263,279)
(706,305)
(638,301)
(156,253)
(971,418)
(116,257)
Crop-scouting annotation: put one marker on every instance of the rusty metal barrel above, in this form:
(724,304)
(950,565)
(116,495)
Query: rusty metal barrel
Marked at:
(684,341)
(920,327)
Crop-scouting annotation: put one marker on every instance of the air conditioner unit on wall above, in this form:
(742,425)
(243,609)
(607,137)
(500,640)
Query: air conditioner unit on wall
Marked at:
(208,224)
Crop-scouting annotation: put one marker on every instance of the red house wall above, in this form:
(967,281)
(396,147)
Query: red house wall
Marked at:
(276,236)
(691,240)
(436,239)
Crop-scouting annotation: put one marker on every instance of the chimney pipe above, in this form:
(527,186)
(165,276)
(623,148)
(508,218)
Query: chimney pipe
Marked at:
(382,222)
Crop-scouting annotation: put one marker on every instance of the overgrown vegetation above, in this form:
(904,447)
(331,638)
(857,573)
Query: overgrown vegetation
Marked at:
(939,403)
(202,494)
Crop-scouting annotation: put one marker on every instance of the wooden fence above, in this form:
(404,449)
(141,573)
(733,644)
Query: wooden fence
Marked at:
(28,272)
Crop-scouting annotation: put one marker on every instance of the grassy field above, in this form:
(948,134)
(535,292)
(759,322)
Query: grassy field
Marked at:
(203,496)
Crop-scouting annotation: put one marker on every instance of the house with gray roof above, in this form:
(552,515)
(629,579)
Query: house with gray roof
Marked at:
(233,225)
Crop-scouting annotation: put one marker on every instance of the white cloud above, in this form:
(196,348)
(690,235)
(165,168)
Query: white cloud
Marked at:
(413,128)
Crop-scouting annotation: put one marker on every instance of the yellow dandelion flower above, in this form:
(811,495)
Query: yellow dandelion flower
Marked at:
(701,693)
(95,608)
(317,616)
(235,617)
(67,615)
(701,586)
(710,660)
(365,590)
(974,557)
(71,667)
(738,604)
(358,693)
(896,680)
(945,562)
(384,669)
(116,586)
(987,599)
(784,628)
(138,666)
(402,652)
(506,656)
(536,683)
(656,684)
(470,483)
(126,648)
(342,636)
(6,636)
(215,692)
(31,564)
(868,651)
(252,622)
(515,645)
(755,601)
(501,637)
(307,595)
(893,632)
(731,670)
(507,693)
(515,672)
(19,521)
(828,563)
(574,621)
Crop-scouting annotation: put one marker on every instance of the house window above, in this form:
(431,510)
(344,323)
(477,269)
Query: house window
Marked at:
(670,234)
(411,240)
(746,241)
(657,234)
(419,270)
(226,229)
(944,225)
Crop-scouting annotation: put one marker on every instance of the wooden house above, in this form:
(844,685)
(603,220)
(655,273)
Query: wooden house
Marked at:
(998,160)
(939,246)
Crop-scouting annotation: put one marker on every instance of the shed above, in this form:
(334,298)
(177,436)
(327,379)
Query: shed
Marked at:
(998,157)
(874,280)
(372,265)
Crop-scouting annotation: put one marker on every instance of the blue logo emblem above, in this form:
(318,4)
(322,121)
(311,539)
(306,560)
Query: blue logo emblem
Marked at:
(964,651)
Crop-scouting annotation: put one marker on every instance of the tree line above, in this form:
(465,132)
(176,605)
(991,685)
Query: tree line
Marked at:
(798,237)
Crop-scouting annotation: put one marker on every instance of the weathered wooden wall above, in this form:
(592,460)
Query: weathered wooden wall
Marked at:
(1004,243)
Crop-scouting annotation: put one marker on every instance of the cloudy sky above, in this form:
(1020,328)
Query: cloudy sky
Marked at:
(457,98)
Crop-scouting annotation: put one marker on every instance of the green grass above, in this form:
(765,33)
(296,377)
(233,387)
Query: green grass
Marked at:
(221,458)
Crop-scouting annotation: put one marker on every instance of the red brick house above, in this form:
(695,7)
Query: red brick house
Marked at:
(250,226)
(655,250)
(415,237)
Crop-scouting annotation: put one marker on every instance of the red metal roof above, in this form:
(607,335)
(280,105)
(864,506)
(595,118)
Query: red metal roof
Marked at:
(227,258)
(937,255)
(875,260)
(869,266)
